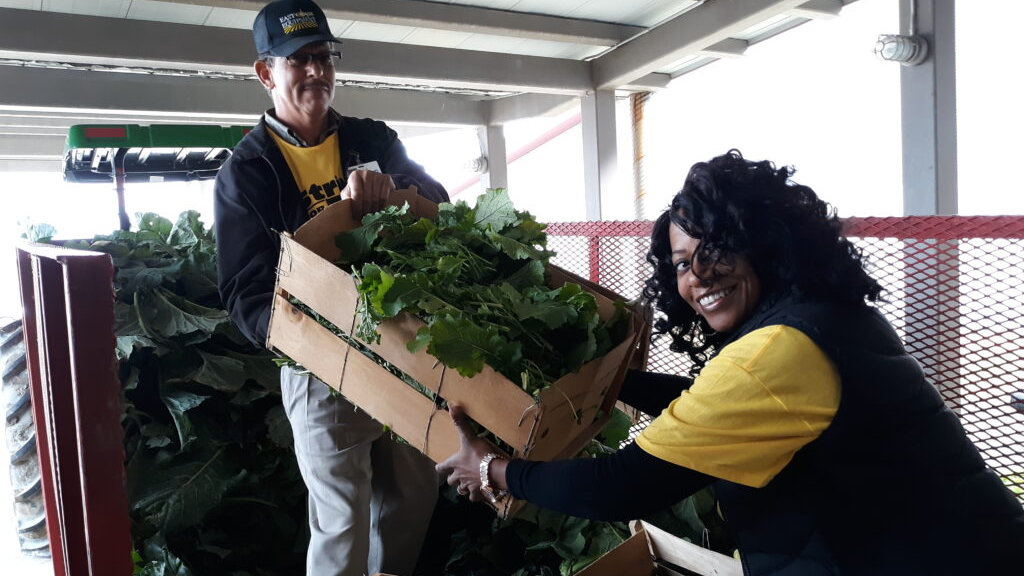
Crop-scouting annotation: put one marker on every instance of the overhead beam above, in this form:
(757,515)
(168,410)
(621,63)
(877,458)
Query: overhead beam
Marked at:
(187,97)
(31,165)
(502,110)
(648,83)
(14,147)
(31,118)
(818,9)
(458,18)
(728,48)
(686,34)
(137,43)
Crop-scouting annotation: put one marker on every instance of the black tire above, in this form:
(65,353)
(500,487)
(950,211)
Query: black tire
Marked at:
(21,442)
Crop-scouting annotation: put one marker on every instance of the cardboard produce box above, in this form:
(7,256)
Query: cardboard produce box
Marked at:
(651,548)
(558,423)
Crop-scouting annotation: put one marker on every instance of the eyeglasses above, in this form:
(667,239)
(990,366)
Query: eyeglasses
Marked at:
(323,59)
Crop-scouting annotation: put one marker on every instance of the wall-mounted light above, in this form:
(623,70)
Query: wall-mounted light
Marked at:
(477,165)
(908,50)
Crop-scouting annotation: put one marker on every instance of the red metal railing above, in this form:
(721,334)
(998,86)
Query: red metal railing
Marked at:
(68,302)
(955,292)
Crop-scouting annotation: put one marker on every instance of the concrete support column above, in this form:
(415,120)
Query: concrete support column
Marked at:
(932,303)
(929,113)
(492,147)
(599,148)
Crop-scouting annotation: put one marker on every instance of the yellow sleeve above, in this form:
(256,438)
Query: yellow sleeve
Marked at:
(752,407)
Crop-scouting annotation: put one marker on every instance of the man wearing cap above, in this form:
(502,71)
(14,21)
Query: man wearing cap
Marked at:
(370,498)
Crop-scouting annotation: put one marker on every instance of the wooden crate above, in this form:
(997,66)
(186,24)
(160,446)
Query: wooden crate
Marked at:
(559,422)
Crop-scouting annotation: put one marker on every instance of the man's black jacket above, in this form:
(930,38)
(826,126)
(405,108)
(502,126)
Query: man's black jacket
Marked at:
(256,197)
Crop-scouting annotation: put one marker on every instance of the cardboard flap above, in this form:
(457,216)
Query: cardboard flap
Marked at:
(318,234)
(631,558)
(694,558)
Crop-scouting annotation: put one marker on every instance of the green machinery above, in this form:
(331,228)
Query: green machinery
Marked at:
(123,153)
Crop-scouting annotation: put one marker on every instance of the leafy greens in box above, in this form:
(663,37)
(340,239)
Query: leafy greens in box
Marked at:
(477,276)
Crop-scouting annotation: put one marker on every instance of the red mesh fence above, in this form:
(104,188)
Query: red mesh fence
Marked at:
(954,291)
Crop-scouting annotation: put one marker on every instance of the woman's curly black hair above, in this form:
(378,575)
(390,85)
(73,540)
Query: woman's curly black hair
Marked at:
(793,240)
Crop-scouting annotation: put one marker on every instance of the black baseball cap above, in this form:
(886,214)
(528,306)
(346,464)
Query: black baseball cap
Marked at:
(284,26)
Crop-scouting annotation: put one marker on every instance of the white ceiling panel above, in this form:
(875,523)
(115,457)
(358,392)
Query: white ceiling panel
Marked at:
(375,32)
(527,47)
(168,12)
(615,10)
(686,65)
(494,4)
(553,7)
(632,12)
(337,25)
(112,8)
(442,38)
(231,18)
(655,13)
(22,4)
(765,26)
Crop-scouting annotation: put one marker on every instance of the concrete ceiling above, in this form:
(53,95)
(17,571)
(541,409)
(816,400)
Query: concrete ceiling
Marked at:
(463,62)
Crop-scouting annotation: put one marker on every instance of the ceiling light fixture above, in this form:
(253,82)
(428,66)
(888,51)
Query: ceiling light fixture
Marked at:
(908,50)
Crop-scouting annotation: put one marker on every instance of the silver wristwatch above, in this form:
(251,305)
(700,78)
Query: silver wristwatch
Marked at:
(493,495)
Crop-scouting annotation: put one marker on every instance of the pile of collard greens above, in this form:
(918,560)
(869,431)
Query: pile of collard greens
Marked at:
(213,484)
(477,276)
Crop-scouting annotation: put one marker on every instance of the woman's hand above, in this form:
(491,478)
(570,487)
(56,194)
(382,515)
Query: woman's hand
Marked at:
(463,467)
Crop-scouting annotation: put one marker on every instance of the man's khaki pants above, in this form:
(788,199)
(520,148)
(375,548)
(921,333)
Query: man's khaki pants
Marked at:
(370,498)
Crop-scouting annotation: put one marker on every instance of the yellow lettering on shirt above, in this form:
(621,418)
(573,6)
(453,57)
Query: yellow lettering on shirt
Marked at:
(317,171)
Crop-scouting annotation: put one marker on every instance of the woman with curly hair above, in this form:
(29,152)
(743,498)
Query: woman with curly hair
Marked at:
(829,451)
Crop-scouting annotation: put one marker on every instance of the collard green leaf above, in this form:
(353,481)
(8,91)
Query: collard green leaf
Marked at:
(167,315)
(41,232)
(126,345)
(545,308)
(466,346)
(257,367)
(178,403)
(115,249)
(159,226)
(187,231)
(158,560)
(198,277)
(179,493)
(533,273)
(570,541)
(495,210)
(140,277)
(280,430)
(513,248)
(221,372)
(617,430)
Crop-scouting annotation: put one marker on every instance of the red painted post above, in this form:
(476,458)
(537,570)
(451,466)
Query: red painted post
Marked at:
(32,357)
(69,301)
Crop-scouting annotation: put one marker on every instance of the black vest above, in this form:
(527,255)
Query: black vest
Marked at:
(892,487)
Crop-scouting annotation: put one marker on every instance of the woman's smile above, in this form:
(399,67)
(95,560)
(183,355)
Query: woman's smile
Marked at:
(725,293)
